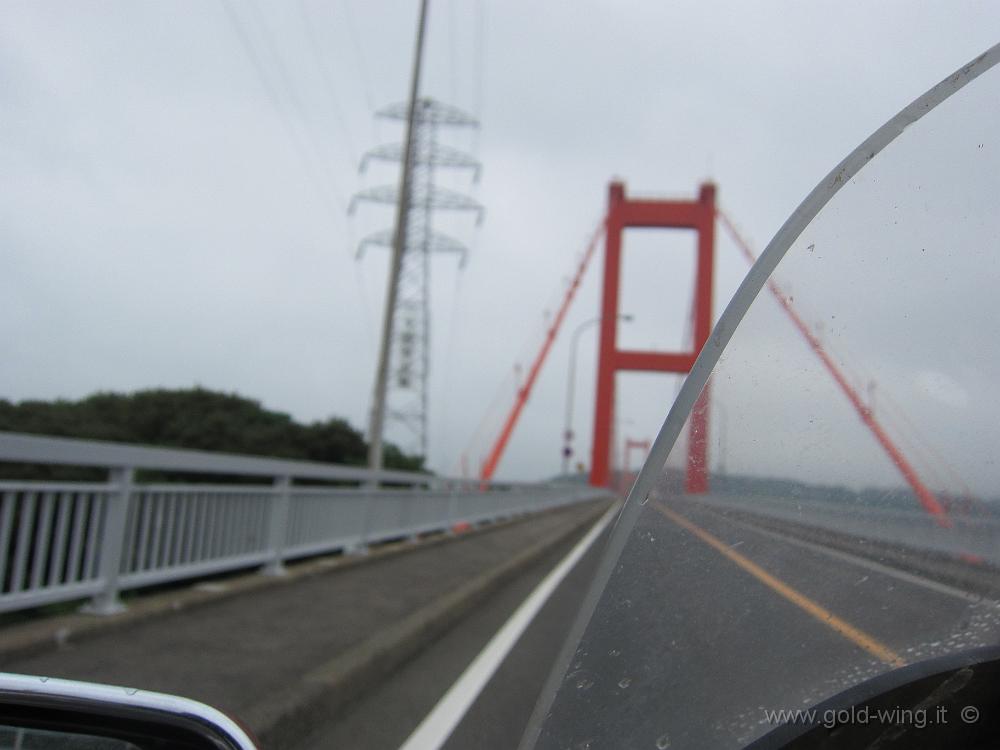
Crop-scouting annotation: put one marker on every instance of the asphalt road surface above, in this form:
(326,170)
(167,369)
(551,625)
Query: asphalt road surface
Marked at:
(706,624)
(385,717)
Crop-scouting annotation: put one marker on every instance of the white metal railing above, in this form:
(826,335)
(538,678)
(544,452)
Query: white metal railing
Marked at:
(62,541)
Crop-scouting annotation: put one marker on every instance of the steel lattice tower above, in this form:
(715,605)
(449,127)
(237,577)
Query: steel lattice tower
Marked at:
(409,367)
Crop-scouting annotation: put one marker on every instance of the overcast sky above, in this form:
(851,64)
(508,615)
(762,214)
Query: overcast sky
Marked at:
(175,179)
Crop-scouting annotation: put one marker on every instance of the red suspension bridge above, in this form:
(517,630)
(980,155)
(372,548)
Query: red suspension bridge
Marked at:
(700,215)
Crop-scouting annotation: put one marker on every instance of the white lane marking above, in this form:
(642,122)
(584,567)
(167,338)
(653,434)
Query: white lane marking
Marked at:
(438,725)
(864,562)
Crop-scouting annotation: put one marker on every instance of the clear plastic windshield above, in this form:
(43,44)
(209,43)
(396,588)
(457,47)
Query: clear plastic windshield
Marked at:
(852,523)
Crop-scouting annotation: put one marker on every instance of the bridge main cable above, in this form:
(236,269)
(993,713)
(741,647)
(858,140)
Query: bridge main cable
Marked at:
(524,392)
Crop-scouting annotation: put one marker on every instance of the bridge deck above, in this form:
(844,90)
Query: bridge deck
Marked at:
(244,652)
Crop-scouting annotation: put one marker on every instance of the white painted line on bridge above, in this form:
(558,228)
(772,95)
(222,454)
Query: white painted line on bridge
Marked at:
(438,725)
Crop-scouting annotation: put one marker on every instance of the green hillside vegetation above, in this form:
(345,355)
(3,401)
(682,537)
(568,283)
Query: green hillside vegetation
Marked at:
(194,418)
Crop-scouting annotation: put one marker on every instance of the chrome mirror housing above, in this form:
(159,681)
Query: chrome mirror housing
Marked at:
(39,712)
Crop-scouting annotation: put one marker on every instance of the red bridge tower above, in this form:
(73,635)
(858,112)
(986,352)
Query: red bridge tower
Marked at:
(623,212)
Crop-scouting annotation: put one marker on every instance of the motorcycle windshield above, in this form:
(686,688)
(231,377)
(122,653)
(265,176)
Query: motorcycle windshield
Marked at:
(851,523)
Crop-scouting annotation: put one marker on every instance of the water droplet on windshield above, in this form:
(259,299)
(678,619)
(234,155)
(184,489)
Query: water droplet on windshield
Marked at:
(581,680)
(662,742)
(645,499)
(624,682)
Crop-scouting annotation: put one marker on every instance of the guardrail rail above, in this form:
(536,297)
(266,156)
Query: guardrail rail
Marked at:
(63,541)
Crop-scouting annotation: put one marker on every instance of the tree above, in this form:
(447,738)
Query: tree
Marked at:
(194,418)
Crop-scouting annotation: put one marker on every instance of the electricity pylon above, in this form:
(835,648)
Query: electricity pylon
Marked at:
(405,397)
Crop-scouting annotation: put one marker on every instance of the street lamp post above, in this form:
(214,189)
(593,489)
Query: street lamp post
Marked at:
(571,386)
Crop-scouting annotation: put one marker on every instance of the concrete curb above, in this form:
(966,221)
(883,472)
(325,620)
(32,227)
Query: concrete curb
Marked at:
(40,636)
(280,723)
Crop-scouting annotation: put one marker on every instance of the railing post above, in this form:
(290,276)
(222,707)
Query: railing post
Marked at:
(278,526)
(413,537)
(452,511)
(360,547)
(369,491)
(112,541)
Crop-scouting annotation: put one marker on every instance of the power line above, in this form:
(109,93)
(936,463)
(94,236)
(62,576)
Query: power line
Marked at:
(293,134)
(296,102)
(359,56)
(327,75)
(480,68)
(453,61)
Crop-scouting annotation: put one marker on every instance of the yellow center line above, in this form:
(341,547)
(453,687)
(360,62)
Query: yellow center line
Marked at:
(848,631)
